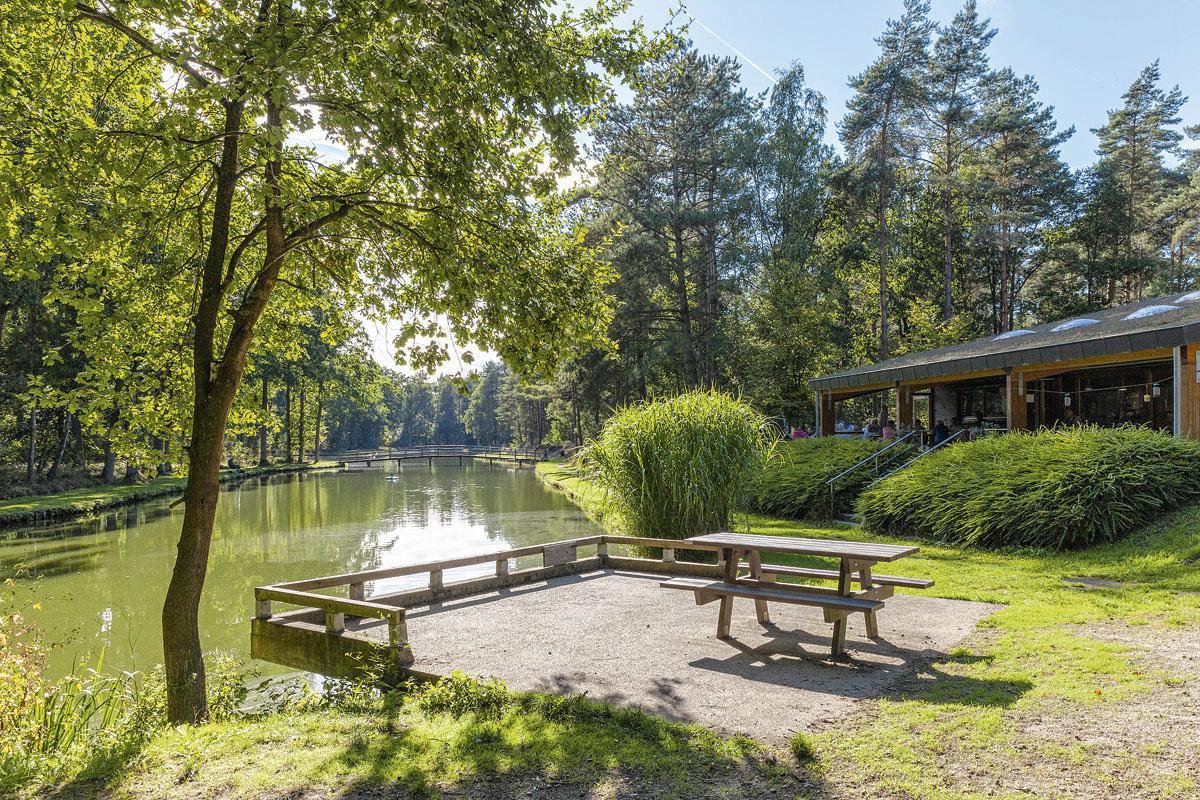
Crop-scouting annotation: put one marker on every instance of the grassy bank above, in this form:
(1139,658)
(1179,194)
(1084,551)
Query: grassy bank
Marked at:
(1084,682)
(94,499)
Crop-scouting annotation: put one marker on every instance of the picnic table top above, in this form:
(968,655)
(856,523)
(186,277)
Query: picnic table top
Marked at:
(836,548)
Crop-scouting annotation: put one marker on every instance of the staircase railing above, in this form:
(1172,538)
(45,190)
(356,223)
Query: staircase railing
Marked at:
(893,451)
(956,436)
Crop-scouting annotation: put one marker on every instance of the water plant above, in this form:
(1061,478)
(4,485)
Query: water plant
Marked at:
(677,467)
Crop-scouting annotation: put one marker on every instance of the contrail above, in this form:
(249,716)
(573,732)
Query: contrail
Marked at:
(736,52)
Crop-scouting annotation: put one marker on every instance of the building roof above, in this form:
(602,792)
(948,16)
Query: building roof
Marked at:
(1166,321)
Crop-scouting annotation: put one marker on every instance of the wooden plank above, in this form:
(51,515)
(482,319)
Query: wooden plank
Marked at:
(743,590)
(832,575)
(839,625)
(329,581)
(872,622)
(865,551)
(558,553)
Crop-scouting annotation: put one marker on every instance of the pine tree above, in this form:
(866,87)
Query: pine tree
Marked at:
(1023,182)
(1134,141)
(877,129)
(950,119)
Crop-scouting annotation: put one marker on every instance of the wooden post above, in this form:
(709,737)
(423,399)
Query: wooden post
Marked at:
(668,555)
(826,417)
(864,581)
(760,606)
(904,406)
(501,567)
(262,609)
(1018,416)
(435,579)
(839,624)
(397,628)
(1186,393)
(725,615)
(335,622)
(357,591)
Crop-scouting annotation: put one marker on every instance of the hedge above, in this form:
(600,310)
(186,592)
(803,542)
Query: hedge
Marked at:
(792,484)
(1057,489)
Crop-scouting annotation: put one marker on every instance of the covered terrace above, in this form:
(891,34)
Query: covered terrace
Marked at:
(1131,364)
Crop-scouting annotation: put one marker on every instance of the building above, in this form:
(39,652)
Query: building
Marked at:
(1132,364)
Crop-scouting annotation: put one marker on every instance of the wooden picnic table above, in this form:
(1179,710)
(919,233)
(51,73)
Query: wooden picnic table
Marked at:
(855,562)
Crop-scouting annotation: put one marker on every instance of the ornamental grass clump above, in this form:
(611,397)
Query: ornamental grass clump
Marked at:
(1055,489)
(676,468)
(793,483)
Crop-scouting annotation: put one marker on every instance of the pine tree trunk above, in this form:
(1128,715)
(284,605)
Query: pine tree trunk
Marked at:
(317,427)
(948,278)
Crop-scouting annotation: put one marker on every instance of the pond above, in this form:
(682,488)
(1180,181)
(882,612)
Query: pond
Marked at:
(99,583)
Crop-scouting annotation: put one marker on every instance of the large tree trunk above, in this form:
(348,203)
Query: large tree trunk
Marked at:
(1005,279)
(948,266)
(681,288)
(882,244)
(262,428)
(317,427)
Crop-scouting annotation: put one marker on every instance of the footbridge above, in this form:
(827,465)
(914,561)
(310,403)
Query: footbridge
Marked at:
(521,456)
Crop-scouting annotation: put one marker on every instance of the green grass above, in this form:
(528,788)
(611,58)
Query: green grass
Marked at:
(420,746)
(93,499)
(1060,488)
(1032,657)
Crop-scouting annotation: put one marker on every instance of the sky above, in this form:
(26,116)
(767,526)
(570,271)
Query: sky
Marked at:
(1083,53)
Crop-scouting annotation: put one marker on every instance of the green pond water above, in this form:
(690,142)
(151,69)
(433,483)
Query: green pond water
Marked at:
(100,582)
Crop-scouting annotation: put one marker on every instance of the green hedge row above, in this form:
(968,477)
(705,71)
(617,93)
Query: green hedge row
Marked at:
(1057,489)
(792,484)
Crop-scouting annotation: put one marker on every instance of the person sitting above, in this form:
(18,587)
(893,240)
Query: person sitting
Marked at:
(801,432)
(940,433)
(889,430)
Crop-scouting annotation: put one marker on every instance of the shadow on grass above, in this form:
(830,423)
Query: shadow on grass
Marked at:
(559,747)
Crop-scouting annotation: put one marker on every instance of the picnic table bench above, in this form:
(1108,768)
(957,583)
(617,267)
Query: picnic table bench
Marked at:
(855,562)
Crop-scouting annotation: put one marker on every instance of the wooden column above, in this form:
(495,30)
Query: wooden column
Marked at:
(1186,393)
(825,415)
(1018,410)
(904,406)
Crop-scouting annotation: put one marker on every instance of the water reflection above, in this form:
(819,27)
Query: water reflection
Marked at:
(100,581)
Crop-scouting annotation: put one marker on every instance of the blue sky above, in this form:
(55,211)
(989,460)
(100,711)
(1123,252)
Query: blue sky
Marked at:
(1083,54)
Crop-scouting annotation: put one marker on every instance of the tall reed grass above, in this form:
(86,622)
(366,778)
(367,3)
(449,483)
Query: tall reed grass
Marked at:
(677,467)
(793,483)
(84,723)
(1056,489)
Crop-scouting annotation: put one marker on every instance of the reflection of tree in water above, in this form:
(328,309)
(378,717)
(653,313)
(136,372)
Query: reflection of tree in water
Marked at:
(104,577)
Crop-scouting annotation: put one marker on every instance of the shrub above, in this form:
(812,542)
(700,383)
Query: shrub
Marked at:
(792,484)
(675,468)
(1062,488)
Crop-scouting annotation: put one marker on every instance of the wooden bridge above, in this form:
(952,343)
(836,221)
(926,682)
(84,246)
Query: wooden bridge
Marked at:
(521,456)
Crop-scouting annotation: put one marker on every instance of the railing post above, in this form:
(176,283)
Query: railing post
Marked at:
(602,550)
(335,622)
(397,628)
(435,579)
(262,609)
(358,591)
(668,556)
(501,567)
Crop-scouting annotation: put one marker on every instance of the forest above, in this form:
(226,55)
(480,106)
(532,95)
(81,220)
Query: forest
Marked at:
(733,246)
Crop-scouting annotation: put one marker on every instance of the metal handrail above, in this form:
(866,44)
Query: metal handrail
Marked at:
(948,440)
(874,456)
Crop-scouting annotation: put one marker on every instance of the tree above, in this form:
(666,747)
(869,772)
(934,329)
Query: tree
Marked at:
(1022,180)
(1134,141)
(878,124)
(482,413)
(950,118)
(448,113)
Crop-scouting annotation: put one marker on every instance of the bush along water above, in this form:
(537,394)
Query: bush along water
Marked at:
(793,482)
(676,468)
(1056,489)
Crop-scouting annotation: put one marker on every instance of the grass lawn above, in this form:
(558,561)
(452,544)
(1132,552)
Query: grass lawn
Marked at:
(1086,684)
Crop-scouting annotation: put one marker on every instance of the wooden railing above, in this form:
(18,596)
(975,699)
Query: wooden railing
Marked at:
(557,559)
(439,451)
